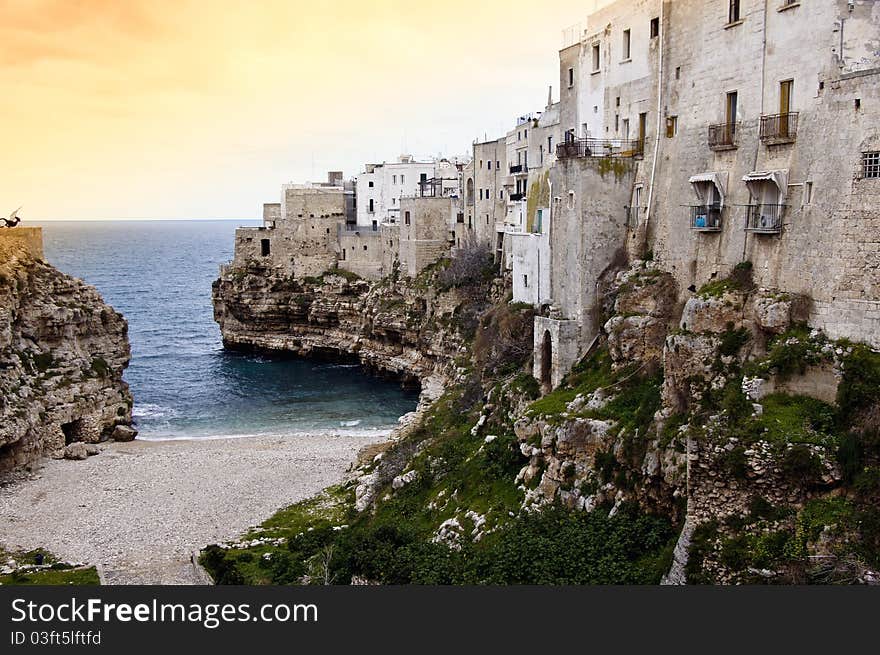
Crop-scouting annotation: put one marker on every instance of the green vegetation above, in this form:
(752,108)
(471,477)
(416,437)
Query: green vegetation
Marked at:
(739,280)
(54,576)
(56,573)
(100,367)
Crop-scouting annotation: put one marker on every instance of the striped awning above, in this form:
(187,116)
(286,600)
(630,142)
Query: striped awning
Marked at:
(700,182)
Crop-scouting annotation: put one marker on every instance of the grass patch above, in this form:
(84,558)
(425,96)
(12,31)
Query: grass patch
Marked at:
(59,576)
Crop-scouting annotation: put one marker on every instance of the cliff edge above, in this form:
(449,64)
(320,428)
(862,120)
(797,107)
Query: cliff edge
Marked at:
(62,354)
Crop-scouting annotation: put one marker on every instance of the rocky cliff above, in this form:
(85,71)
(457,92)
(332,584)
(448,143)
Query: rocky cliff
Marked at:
(711,439)
(62,355)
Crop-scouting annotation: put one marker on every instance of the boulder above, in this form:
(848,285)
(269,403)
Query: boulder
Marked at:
(92,449)
(123,433)
(76,450)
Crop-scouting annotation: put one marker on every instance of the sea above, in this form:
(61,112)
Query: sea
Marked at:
(185,385)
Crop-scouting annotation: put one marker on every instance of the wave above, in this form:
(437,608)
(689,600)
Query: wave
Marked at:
(349,424)
(150,410)
(366,432)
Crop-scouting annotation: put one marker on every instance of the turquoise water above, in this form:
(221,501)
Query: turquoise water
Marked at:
(159,274)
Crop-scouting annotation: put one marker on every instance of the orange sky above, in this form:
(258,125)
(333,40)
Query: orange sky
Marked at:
(199,109)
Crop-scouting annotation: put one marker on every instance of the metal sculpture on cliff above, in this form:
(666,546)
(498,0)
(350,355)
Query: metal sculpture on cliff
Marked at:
(13,219)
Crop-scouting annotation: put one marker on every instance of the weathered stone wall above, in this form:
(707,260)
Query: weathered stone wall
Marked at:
(363,253)
(490,170)
(425,239)
(301,201)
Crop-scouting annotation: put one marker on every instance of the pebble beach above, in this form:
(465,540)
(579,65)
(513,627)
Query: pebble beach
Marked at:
(139,510)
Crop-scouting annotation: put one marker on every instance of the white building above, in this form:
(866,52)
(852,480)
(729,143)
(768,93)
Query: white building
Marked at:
(381,186)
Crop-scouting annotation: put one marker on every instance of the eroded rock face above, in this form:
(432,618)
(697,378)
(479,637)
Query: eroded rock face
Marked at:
(395,327)
(62,355)
(644,305)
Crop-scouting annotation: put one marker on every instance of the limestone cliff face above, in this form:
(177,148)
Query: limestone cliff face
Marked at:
(402,327)
(62,355)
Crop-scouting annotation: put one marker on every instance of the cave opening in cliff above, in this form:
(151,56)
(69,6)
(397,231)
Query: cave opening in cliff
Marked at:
(546,359)
(72,431)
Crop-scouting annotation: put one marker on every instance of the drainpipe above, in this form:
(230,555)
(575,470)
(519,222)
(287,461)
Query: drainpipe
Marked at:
(657,134)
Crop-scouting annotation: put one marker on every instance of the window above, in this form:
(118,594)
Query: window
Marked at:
(375,227)
(365,248)
(870,165)
(371,209)
(678,72)
(489,163)
(785,89)
(264,247)
(481,164)
(393,179)
(617,102)
(596,59)
(671,126)
(733,11)
(402,179)
(626,44)
(626,129)
(655,27)
(526,281)
(617,122)
(497,165)
(371,185)
(643,129)
(481,194)
(731,107)
(570,77)
(406,217)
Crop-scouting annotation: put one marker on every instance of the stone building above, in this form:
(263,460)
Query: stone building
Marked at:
(299,234)
(761,146)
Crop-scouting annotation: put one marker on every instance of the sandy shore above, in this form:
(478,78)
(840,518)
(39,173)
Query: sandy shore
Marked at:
(139,509)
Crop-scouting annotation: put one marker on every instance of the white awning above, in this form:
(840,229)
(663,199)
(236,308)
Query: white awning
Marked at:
(757,180)
(701,181)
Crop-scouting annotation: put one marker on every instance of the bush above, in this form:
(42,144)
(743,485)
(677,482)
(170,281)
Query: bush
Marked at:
(471,265)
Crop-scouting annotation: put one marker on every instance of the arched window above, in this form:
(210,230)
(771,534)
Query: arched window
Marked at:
(470,191)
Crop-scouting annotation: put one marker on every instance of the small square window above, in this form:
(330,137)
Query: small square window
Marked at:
(870,168)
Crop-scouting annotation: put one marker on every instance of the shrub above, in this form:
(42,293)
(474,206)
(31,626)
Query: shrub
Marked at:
(471,265)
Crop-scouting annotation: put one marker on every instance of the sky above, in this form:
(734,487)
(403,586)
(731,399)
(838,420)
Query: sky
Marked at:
(125,109)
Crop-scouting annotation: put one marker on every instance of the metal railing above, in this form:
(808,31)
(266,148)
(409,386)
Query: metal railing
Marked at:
(722,136)
(519,168)
(514,197)
(779,128)
(764,218)
(575,148)
(705,218)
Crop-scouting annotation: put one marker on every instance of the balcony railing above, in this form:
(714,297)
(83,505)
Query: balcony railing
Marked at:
(764,219)
(519,168)
(705,218)
(514,197)
(600,148)
(722,137)
(779,128)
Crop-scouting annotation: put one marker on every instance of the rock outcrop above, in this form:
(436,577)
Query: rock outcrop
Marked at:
(62,355)
(401,327)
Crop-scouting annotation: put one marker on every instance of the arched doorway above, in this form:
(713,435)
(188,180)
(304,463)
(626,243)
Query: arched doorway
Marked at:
(547,361)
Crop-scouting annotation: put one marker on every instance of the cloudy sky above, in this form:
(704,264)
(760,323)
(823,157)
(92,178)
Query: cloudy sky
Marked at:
(201,109)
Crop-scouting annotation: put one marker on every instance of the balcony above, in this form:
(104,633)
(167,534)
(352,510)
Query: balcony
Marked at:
(584,148)
(779,128)
(763,218)
(515,197)
(519,168)
(705,218)
(722,137)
